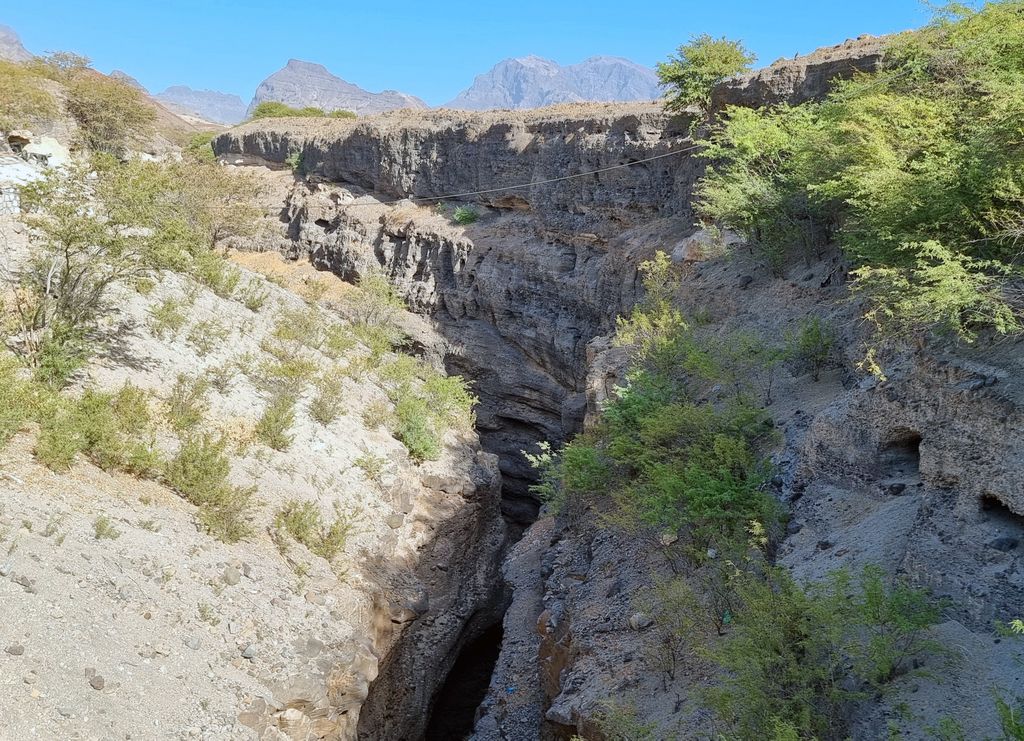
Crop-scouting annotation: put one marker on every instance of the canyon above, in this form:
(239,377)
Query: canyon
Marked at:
(526,298)
(461,604)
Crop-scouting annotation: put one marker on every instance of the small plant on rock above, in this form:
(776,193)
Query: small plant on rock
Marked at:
(277,418)
(465,215)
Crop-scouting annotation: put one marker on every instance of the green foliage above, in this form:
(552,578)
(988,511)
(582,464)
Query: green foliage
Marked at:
(104,529)
(253,296)
(304,522)
(143,216)
(199,472)
(24,99)
(812,345)
(669,463)
(167,317)
(200,147)
(427,404)
(114,430)
(277,418)
(697,67)
(18,398)
(275,109)
(294,160)
(207,335)
(326,404)
(1011,719)
(619,722)
(465,215)
(786,654)
(188,402)
(416,427)
(111,114)
(916,171)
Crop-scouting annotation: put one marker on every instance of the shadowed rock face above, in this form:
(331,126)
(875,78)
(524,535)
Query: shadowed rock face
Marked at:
(301,84)
(533,82)
(519,294)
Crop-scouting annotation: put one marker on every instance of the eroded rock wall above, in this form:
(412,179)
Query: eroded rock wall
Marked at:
(544,270)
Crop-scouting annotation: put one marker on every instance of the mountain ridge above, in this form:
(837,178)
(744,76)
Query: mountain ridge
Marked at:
(532,81)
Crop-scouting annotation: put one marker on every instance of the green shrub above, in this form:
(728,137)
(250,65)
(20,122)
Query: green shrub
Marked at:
(18,398)
(372,466)
(700,64)
(60,437)
(199,472)
(103,529)
(812,345)
(200,147)
(23,97)
(188,403)
(64,349)
(276,109)
(253,296)
(1011,719)
(465,215)
(206,336)
(913,170)
(277,418)
(111,114)
(216,273)
(304,522)
(326,404)
(416,427)
(338,340)
(786,653)
(167,318)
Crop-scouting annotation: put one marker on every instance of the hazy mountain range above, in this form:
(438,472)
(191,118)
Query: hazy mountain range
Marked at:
(532,82)
(522,82)
(212,105)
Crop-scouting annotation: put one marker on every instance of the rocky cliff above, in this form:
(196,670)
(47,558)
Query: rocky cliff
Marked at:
(920,474)
(300,84)
(534,82)
(546,268)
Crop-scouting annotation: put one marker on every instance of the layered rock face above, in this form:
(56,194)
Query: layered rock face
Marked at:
(546,268)
(533,82)
(302,84)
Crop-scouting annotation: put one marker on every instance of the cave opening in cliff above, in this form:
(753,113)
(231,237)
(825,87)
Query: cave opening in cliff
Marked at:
(901,454)
(456,703)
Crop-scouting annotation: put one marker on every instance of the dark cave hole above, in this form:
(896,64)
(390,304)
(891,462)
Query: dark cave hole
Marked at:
(455,705)
(996,511)
(901,454)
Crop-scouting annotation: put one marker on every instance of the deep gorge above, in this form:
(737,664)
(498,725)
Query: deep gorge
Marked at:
(522,302)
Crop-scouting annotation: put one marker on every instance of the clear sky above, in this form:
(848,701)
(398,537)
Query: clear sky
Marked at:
(429,49)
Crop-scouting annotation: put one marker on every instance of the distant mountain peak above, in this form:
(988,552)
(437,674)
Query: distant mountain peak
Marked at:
(211,105)
(300,83)
(11,48)
(532,82)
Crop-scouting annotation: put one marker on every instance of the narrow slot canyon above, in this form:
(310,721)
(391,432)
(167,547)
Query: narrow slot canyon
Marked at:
(453,713)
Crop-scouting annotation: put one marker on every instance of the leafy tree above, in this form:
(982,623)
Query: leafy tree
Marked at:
(23,97)
(698,66)
(916,171)
(111,114)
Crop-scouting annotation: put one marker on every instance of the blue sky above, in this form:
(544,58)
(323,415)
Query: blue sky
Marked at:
(432,50)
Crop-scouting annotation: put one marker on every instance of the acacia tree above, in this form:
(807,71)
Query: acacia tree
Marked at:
(697,67)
